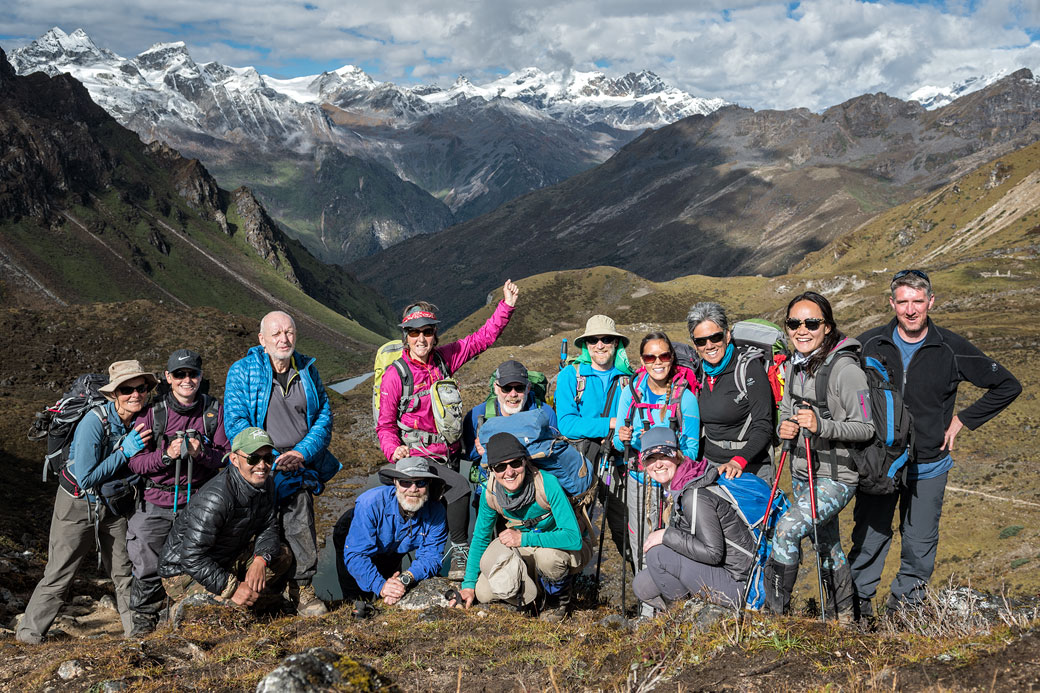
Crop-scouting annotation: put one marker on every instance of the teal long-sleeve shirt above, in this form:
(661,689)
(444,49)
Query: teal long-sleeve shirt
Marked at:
(585,419)
(557,531)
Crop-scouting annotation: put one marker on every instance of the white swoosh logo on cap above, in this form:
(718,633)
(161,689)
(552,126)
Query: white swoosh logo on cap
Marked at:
(183,358)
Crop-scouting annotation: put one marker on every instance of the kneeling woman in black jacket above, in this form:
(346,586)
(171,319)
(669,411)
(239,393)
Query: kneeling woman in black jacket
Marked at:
(690,556)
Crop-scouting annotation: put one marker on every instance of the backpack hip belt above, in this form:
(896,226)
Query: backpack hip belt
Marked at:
(727,444)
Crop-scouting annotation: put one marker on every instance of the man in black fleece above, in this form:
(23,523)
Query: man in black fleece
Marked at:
(927,362)
(226,540)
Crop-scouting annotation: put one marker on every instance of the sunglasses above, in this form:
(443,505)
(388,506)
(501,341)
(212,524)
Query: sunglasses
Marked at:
(408,483)
(182,373)
(811,324)
(663,357)
(916,272)
(512,387)
(254,459)
(127,390)
(713,338)
(426,332)
(605,339)
(502,466)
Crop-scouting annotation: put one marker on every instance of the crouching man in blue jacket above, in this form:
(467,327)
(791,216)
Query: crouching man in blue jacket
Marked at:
(385,524)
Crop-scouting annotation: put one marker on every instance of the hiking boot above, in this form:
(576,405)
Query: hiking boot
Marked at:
(143,624)
(556,606)
(779,583)
(458,554)
(840,594)
(306,601)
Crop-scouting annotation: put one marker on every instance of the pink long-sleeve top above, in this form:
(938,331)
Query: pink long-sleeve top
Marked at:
(424,375)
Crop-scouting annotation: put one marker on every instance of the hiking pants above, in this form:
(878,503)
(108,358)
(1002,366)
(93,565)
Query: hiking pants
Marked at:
(146,533)
(513,573)
(920,507)
(456,501)
(669,576)
(613,501)
(644,503)
(796,523)
(182,586)
(71,540)
(296,518)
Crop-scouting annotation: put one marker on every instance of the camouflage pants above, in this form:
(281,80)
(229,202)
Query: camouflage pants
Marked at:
(796,523)
(181,586)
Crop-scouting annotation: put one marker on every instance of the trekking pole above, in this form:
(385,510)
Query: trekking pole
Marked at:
(605,475)
(812,507)
(762,535)
(626,544)
(191,434)
(563,353)
(179,435)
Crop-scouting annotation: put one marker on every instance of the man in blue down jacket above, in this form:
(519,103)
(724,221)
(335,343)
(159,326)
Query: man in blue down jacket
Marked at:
(226,540)
(388,522)
(278,389)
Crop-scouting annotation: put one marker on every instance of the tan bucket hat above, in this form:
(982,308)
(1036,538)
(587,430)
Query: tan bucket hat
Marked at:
(121,371)
(600,325)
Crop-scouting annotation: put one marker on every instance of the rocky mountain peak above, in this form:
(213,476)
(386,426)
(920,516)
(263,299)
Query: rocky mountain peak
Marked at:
(58,48)
(163,56)
(6,71)
(262,234)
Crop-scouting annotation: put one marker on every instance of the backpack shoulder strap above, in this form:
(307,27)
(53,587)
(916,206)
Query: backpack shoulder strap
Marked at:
(160,414)
(438,359)
(539,492)
(210,410)
(727,496)
(579,383)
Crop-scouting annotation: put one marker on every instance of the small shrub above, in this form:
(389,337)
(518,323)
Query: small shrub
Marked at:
(1011,531)
(1019,562)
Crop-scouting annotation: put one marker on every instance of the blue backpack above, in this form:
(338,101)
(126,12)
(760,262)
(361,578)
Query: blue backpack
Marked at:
(748,494)
(549,450)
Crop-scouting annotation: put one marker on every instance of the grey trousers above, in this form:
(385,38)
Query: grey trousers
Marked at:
(72,540)
(669,575)
(146,533)
(297,522)
(920,507)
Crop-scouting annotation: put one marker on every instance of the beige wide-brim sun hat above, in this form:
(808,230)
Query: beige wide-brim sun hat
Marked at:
(599,325)
(121,371)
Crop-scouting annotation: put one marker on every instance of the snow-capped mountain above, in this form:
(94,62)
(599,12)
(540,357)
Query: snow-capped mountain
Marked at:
(932,97)
(469,145)
(637,100)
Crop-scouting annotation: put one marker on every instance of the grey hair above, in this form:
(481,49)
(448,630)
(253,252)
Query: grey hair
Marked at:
(912,281)
(706,310)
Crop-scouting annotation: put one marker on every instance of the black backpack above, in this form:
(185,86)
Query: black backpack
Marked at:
(882,460)
(57,424)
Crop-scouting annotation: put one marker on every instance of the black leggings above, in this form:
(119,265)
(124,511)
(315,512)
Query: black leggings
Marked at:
(456,500)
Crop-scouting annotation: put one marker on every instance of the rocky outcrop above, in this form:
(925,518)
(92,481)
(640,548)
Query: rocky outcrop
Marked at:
(190,178)
(319,670)
(262,234)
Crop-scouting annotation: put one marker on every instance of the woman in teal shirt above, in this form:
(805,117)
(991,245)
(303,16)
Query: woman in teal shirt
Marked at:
(531,561)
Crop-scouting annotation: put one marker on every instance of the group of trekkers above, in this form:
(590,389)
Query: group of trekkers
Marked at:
(678,453)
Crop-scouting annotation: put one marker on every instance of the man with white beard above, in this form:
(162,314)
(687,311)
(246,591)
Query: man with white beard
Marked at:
(512,387)
(389,522)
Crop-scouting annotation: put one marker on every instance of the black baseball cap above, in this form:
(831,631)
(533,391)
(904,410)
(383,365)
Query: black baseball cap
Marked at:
(184,358)
(511,372)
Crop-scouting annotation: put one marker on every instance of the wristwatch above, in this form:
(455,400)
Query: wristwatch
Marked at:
(407,579)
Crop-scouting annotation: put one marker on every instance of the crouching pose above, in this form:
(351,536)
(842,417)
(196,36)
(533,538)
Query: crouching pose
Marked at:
(387,523)
(531,562)
(225,541)
(706,549)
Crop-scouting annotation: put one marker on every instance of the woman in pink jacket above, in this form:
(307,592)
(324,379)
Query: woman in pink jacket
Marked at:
(413,431)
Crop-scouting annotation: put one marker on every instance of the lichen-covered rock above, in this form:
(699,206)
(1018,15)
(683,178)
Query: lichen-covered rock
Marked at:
(426,594)
(70,669)
(319,670)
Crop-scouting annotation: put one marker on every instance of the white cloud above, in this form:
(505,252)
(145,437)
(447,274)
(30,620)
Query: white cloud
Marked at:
(746,51)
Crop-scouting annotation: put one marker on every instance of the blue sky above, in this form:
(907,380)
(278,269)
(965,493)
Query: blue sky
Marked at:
(813,53)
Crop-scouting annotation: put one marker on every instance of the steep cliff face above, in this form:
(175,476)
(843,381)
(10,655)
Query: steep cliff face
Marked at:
(48,142)
(262,234)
